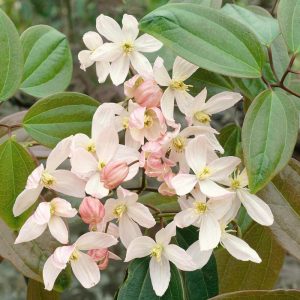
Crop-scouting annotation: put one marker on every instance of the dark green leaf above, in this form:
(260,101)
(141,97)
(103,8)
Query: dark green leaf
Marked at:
(53,118)
(36,291)
(207,38)
(209,3)
(164,203)
(269,135)
(230,139)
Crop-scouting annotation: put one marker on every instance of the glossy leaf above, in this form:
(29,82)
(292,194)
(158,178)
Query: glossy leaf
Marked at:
(265,28)
(269,135)
(209,3)
(235,275)
(15,167)
(164,203)
(36,291)
(55,117)
(11,58)
(207,38)
(48,61)
(283,195)
(289,21)
(230,139)
(137,284)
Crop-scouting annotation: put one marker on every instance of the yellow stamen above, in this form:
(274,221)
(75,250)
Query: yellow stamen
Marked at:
(179,143)
(101,165)
(74,256)
(128,47)
(202,117)
(204,173)
(148,120)
(235,184)
(52,209)
(91,147)
(156,252)
(180,85)
(119,210)
(125,122)
(200,207)
(47,179)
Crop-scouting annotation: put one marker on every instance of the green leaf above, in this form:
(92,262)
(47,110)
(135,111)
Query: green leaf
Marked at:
(208,3)
(235,275)
(58,116)
(265,28)
(164,203)
(137,284)
(282,195)
(261,295)
(230,139)
(36,291)
(48,61)
(11,59)
(269,135)
(16,165)
(207,38)
(200,284)
(289,21)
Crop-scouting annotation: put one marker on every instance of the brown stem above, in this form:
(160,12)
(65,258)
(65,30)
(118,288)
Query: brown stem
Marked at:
(273,8)
(265,81)
(287,71)
(272,63)
(153,208)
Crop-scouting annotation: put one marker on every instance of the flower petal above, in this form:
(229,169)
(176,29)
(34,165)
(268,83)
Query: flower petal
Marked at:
(42,214)
(95,240)
(107,52)
(209,233)
(102,70)
(59,229)
(167,104)
(119,69)
(95,187)
(211,189)
(141,215)
(128,230)
(92,40)
(139,247)
(183,183)
(182,69)
(200,258)
(183,100)
(63,208)
(50,273)
(130,27)
(220,206)
(164,235)
(140,63)
(160,73)
(147,43)
(109,28)
(84,58)
(186,217)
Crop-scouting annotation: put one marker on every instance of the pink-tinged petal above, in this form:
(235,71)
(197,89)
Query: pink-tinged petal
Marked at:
(92,40)
(126,194)
(128,230)
(213,190)
(42,214)
(167,104)
(183,183)
(109,28)
(164,235)
(186,218)
(26,199)
(119,69)
(95,187)
(137,118)
(220,206)
(68,183)
(113,256)
(196,193)
(200,258)
(221,168)
(160,275)
(34,178)
(85,270)
(63,208)
(113,230)
(138,135)
(58,229)
(139,247)
(200,100)
(102,70)
(239,248)
(95,240)
(61,256)
(183,69)
(130,142)
(147,43)
(141,215)
(221,101)
(84,58)
(59,154)
(257,209)
(161,74)
(109,206)
(179,258)
(183,100)
(209,233)
(30,231)
(80,140)
(140,63)
(107,53)
(130,27)
(50,273)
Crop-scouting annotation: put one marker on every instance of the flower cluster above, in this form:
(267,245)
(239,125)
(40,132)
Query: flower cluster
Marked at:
(140,137)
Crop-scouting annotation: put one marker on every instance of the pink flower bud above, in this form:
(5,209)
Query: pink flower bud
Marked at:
(101,256)
(131,85)
(91,210)
(148,94)
(113,174)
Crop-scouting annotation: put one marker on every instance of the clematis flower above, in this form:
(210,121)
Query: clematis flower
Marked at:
(61,181)
(206,173)
(166,187)
(161,252)
(102,257)
(199,112)
(82,264)
(129,213)
(204,215)
(125,47)
(256,208)
(48,214)
(176,88)
(93,41)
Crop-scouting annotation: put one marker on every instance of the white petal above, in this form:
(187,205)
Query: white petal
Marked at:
(92,40)
(183,69)
(160,275)
(95,240)
(186,217)
(50,273)
(183,183)
(68,183)
(128,230)
(211,189)
(140,63)
(95,187)
(107,52)
(239,248)
(200,100)
(167,104)
(109,28)
(210,232)
(183,100)
(160,73)
(147,43)
(139,247)
(119,69)
(63,208)
(164,235)
(42,214)
(179,258)
(86,270)
(84,58)
(200,258)
(141,215)
(58,229)
(102,70)
(220,206)
(34,178)
(130,27)
(257,209)
(222,167)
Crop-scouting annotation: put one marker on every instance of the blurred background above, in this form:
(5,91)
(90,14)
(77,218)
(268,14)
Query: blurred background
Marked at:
(74,18)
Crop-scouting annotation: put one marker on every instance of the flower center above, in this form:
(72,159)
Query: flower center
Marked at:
(179,143)
(204,173)
(52,209)
(125,122)
(202,117)
(74,256)
(180,85)
(119,210)
(128,47)
(156,252)
(101,165)
(200,207)
(47,179)
(91,147)
(148,120)
(235,184)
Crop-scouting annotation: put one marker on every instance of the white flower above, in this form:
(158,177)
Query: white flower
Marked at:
(161,252)
(125,47)
(176,88)
(129,213)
